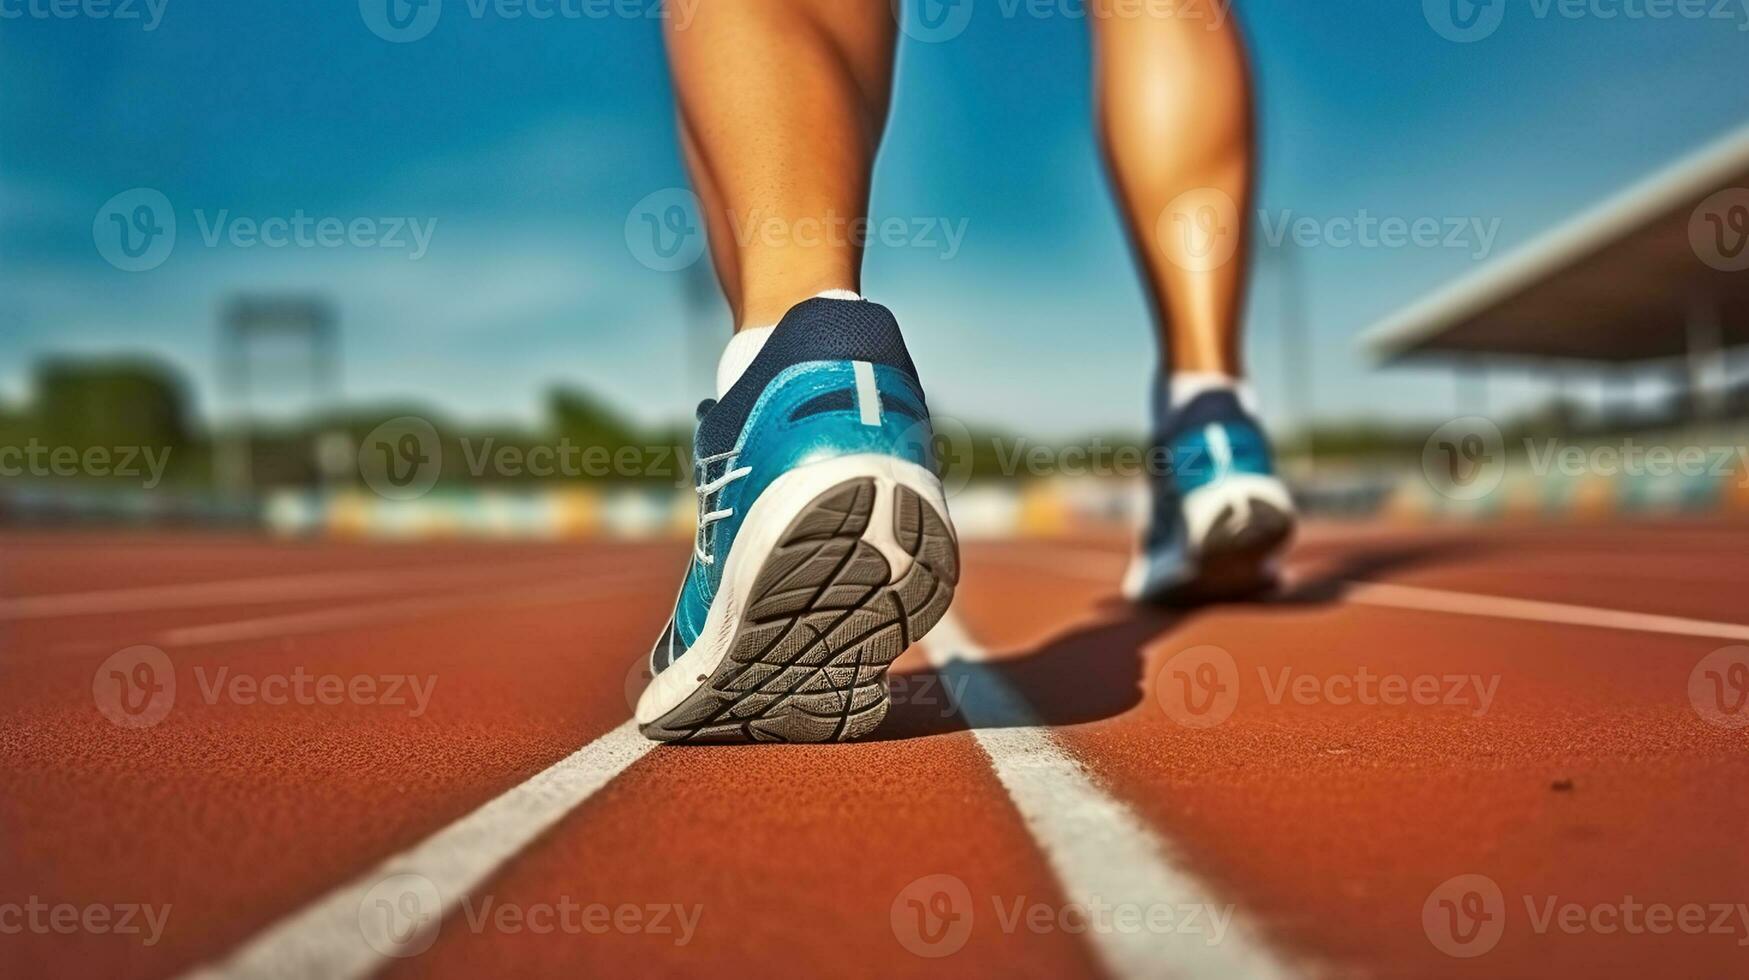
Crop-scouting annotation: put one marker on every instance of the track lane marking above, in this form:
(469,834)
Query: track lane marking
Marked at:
(1099,849)
(1089,565)
(401,610)
(1534,610)
(269,589)
(328,937)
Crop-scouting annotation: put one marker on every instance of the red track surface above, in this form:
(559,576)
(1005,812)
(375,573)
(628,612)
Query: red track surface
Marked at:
(1591,779)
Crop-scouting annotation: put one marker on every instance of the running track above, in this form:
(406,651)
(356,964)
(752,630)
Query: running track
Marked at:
(1050,752)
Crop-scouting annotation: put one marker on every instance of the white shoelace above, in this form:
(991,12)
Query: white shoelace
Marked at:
(704,491)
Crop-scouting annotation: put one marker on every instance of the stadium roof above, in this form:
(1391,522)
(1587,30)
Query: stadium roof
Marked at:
(1617,283)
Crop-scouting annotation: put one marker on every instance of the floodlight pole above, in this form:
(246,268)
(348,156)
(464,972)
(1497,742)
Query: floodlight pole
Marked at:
(1295,358)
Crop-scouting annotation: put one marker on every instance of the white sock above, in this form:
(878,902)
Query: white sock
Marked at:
(742,349)
(747,343)
(1182,386)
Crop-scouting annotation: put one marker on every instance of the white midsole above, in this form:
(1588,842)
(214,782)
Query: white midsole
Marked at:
(1202,507)
(765,525)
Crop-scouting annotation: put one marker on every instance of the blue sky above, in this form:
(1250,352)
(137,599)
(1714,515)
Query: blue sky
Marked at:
(528,142)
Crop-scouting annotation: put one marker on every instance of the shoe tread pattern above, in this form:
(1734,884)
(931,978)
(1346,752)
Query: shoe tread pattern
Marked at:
(824,621)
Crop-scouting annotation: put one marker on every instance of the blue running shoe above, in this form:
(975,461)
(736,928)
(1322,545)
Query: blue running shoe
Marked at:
(823,547)
(1220,515)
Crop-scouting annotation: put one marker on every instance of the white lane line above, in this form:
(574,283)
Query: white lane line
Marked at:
(1502,607)
(378,613)
(341,937)
(1101,851)
(270,589)
(1424,599)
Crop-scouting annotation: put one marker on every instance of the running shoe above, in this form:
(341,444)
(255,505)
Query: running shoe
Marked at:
(1220,516)
(823,547)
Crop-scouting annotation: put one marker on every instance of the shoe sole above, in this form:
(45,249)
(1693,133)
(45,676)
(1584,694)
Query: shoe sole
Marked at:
(1236,555)
(1239,528)
(825,618)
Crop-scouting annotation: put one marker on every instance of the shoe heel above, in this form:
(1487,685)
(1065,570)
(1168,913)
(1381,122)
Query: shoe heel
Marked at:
(826,616)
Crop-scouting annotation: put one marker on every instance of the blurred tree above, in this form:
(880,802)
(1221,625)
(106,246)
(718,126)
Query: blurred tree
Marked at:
(112,402)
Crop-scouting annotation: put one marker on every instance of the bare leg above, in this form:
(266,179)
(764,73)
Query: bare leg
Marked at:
(1175,112)
(782,103)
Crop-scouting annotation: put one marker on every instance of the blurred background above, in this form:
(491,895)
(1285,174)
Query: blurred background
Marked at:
(406,270)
